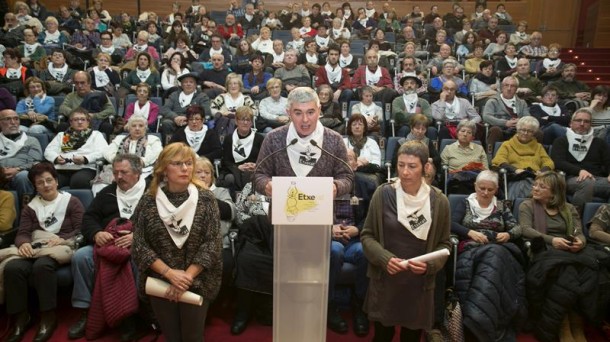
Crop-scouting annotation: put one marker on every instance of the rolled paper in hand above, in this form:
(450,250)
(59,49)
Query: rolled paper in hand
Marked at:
(427,257)
(158,288)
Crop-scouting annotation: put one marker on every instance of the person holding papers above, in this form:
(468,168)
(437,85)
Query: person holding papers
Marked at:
(406,219)
(177,239)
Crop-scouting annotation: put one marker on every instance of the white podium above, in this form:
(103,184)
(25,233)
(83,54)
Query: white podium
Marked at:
(302,216)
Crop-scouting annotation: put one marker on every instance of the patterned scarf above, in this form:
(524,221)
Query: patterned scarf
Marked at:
(73,140)
(140,149)
(357,145)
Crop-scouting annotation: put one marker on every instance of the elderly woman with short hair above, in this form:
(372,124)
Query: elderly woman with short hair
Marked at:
(330,111)
(224,105)
(464,159)
(366,149)
(136,141)
(52,37)
(523,157)
(486,227)
(273,107)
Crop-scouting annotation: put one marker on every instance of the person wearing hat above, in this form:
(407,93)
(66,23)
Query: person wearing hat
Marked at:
(175,106)
(450,110)
(409,104)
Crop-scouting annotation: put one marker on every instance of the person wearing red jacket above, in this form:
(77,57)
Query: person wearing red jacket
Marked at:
(375,76)
(231,31)
(335,76)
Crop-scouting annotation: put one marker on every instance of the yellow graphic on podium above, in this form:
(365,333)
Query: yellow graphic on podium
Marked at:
(298,202)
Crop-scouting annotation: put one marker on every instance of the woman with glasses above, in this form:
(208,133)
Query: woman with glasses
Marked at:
(177,240)
(366,148)
(44,241)
(203,141)
(75,151)
(137,142)
(487,229)
(560,262)
(240,151)
(224,105)
(523,157)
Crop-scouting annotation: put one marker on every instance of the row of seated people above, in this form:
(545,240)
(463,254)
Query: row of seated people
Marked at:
(503,286)
(411,83)
(483,223)
(12,120)
(482,87)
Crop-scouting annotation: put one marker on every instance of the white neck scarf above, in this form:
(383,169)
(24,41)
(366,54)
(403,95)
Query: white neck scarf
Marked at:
(140,48)
(128,200)
(410,102)
(195,139)
(373,77)
(51,214)
(367,110)
(242,147)
(304,13)
(363,21)
(9,148)
(249,17)
(551,63)
(551,111)
(232,104)
(322,41)
(178,221)
(51,38)
(303,155)
(13,74)
(143,74)
(579,145)
(215,52)
(278,58)
(369,12)
(108,50)
(28,49)
(58,73)
(144,110)
(478,213)
(452,109)
(512,62)
(185,99)
(345,61)
(333,75)
(313,59)
(101,77)
(510,103)
(414,212)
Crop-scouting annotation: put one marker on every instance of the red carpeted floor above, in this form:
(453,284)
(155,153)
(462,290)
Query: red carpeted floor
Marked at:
(217,328)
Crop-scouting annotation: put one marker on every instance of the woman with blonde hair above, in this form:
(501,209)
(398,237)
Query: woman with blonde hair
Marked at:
(177,240)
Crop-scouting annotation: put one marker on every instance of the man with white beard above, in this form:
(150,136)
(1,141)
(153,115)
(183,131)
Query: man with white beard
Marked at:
(409,104)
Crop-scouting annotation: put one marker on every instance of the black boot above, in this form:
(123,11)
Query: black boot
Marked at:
(361,322)
(130,329)
(22,323)
(242,316)
(48,323)
(334,320)
(77,330)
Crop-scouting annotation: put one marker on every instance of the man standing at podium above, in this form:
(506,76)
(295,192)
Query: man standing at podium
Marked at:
(296,150)
(301,158)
